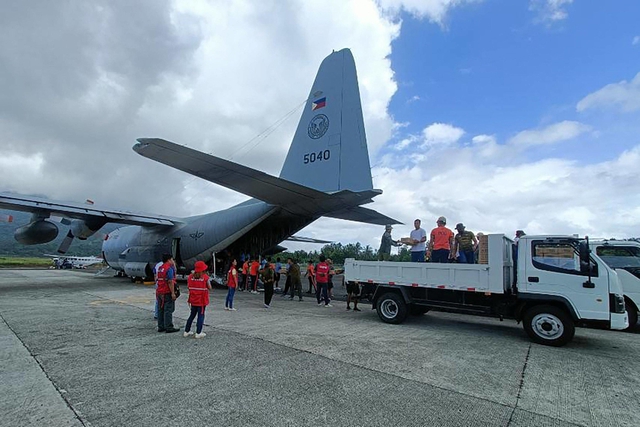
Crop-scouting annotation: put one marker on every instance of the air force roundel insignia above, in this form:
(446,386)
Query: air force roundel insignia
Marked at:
(318,126)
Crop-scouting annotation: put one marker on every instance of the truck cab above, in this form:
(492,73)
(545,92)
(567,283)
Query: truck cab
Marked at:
(624,257)
(563,271)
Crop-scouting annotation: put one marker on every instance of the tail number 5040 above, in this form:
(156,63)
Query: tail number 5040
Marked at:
(317,157)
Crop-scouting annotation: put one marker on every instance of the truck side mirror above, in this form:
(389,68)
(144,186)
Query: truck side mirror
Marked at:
(584,252)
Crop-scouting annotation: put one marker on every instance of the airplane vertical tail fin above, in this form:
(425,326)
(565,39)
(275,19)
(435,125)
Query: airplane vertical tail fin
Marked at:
(329,150)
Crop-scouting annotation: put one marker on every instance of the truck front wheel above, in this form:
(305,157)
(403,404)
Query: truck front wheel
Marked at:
(391,308)
(632,313)
(548,325)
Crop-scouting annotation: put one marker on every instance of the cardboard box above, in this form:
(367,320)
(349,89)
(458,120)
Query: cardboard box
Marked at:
(406,240)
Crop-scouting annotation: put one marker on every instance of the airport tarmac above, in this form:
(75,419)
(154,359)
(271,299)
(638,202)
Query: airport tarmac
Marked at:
(83,350)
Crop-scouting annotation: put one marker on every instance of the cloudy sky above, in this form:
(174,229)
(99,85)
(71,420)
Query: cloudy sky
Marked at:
(495,113)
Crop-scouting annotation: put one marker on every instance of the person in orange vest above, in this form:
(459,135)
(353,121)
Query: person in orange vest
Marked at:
(245,275)
(322,281)
(166,295)
(441,242)
(311,276)
(232,284)
(198,284)
(254,266)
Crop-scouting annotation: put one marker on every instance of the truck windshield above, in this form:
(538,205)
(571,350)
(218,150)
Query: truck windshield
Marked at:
(619,256)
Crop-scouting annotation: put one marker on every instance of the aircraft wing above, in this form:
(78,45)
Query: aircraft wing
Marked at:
(79,211)
(295,198)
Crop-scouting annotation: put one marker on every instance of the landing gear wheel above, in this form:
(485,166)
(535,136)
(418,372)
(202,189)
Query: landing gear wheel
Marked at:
(548,325)
(391,308)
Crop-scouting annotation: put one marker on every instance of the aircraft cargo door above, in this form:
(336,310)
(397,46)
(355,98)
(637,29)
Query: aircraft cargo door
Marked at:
(175,252)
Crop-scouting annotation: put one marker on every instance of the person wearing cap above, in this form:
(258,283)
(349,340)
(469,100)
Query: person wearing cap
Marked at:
(440,242)
(465,244)
(419,239)
(519,234)
(198,284)
(268,275)
(385,244)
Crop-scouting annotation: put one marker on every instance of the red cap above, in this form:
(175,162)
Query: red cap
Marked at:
(200,267)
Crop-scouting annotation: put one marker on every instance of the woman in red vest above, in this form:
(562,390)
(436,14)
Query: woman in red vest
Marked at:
(198,283)
(232,284)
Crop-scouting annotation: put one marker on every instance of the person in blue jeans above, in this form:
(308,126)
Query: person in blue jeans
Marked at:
(465,244)
(232,284)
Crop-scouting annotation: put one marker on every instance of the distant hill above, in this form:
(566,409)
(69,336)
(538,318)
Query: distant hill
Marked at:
(9,246)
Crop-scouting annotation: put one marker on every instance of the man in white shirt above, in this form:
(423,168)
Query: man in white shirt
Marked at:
(419,239)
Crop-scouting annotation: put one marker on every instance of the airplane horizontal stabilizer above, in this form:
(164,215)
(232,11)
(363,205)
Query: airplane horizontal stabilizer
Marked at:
(294,198)
(365,215)
(303,239)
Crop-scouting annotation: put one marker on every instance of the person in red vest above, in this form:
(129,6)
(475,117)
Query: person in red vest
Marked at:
(198,283)
(232,284)
(165,294)
(254,267)
(322,280)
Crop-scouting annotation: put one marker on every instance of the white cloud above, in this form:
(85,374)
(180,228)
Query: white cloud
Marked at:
(433,10)
(623,95)
(209,76)
(484,139)
(413,99)
(636,40)
(503,192)
(551,134)
(441,134)
(550,11)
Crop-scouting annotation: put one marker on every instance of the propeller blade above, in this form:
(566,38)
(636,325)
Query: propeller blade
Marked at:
(64,246)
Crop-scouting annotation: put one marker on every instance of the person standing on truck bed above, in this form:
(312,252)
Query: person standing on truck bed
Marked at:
(419,238)
(441,242)
(385,244)
(465,244)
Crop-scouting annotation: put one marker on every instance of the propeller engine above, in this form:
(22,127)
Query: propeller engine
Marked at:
(82,229)
(39,230)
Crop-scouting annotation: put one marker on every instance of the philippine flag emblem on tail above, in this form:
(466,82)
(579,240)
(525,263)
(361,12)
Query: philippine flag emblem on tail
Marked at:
(318,104)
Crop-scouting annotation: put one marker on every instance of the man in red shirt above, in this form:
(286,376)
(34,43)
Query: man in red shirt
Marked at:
(166,295)
(322,280)
(441,242)
(253,273)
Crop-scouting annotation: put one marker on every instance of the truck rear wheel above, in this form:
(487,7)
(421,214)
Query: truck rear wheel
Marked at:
(391,308)
(548,325)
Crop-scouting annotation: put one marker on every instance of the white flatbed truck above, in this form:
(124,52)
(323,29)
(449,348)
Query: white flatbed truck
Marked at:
(554,284)
(624,257)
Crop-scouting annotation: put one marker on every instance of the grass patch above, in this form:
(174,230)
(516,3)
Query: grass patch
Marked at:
(17,262)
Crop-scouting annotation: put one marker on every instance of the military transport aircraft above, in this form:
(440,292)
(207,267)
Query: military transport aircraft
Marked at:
(326,173)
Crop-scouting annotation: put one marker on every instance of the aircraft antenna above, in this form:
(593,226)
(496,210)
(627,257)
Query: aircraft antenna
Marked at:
(253,142)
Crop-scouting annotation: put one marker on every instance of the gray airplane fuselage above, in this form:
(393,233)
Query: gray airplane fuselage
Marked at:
(252,226)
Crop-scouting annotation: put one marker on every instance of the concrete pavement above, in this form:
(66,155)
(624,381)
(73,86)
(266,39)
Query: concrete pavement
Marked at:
(83,350)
